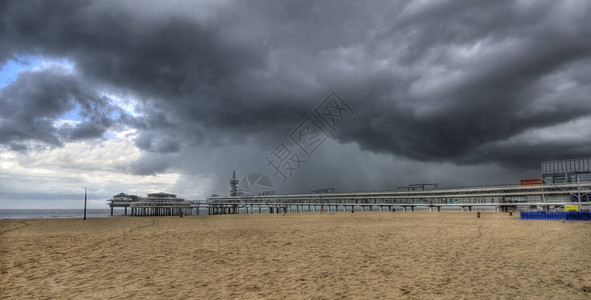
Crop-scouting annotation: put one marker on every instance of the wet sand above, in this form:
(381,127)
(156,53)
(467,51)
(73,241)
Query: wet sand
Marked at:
(446,255)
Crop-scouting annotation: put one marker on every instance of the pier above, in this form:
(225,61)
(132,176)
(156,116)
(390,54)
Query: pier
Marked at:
(501,198)
(558,186)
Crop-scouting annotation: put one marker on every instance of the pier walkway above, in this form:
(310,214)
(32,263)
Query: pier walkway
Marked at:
(502,198)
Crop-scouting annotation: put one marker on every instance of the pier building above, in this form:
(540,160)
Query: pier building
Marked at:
(565,171)
(161,204)
(122,200)
(155,204)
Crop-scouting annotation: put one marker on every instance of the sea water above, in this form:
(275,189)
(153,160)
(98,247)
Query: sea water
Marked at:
(55,213)
(67,213)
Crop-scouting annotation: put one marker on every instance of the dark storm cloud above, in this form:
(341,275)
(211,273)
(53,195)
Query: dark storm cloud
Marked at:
(150,164)
(32,104)
(492,97)
(154,143)
(86,130)
(432,81)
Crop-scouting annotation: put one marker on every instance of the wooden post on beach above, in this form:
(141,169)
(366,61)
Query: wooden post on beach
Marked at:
(85,205)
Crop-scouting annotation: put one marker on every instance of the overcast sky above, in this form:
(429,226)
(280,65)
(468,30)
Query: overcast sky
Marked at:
(144,96)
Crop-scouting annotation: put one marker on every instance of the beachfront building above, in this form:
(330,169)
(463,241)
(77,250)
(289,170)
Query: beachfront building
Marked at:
(161,204)
(122,200)
(566,171)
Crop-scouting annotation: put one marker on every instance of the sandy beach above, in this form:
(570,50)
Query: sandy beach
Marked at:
(446,255)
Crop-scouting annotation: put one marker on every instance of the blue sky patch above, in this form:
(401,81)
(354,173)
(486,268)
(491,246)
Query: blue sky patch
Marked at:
(12,68)
(73,114)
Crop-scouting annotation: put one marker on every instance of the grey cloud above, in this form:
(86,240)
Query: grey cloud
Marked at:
(84,130)
(150,164)
(155,143)
(429,81)
(32,103)
(36,100)
(17,147)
